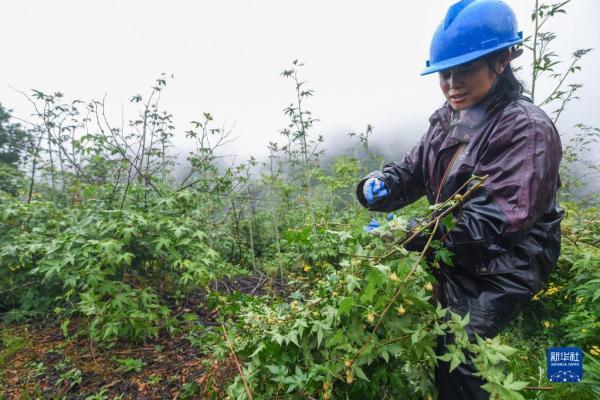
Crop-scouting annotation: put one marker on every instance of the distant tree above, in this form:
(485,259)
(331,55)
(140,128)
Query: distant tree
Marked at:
(13,143)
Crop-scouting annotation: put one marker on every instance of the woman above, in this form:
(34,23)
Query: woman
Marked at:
(507,237)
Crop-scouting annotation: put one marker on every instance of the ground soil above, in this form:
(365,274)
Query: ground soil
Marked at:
(173,368)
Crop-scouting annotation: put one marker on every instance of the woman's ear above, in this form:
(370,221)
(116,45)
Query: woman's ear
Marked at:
(503,61)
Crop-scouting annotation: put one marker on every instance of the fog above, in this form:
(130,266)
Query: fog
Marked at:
(362,59)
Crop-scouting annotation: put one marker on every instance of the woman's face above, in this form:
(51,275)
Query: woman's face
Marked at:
(465,85)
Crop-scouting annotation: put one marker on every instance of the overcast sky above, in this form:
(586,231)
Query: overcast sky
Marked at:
(362,59)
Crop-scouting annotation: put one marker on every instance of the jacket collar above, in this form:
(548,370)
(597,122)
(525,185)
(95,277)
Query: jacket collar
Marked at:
(473,116)
(461,127)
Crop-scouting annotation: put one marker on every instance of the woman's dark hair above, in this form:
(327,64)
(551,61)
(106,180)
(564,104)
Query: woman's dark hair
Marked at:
(508,88)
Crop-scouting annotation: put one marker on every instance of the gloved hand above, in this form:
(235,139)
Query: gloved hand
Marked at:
(374,190)
(419,242)
(372,226)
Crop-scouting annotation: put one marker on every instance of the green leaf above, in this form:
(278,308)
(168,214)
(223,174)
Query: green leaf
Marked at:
(360,373)
(385,355)
(292,337)
(502,392)
(415,337)
(300,324)
(449,222)
(384,269)
(373,278)
(319,336)
(64,327)
(261,346)
(161,243)
(345,305)
(455,361)
(465,321)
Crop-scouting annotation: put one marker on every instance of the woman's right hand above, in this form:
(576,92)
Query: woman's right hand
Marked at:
(374,190)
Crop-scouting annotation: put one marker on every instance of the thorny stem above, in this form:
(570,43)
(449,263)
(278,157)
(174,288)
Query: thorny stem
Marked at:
(398,290)
(409,237)
(237,363)
(414,232)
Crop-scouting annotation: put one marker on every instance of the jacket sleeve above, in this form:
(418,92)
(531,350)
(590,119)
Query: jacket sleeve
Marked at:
(404,180)
(522,160)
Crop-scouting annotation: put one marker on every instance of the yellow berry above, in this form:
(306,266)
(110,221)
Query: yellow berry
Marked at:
(347,363)
(349,379)
(401,311)
(393,277)
(547,324)
(306,268)
(370,317)
(458,197)
(428,286)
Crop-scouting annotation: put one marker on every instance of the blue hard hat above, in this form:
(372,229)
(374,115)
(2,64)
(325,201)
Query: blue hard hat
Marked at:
(472,29)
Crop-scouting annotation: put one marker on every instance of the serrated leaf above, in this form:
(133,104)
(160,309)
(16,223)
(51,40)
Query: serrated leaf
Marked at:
(415,337)
(466,319)
(384,269)
(345,305)
(502,392)
(455,361)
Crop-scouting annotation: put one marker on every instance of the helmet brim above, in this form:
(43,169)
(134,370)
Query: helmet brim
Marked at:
(466,58)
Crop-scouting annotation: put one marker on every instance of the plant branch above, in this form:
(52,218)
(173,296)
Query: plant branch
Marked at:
(237,362)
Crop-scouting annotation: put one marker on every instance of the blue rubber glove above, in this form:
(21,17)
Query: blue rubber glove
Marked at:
(372,226)
(374,190)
